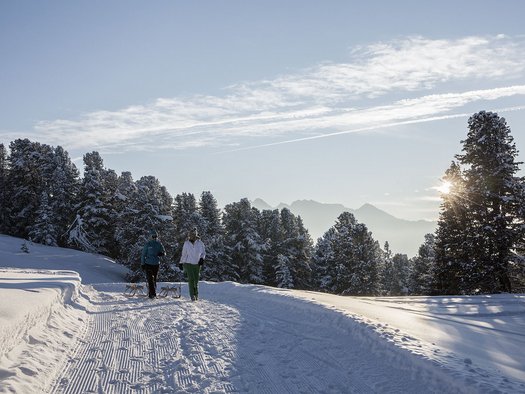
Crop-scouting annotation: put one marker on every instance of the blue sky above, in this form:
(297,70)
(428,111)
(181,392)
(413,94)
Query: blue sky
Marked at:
(337,101)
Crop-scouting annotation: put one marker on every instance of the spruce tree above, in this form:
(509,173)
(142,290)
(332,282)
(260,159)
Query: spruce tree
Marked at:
(423,266)
(217,265)
(3,190)
(494,202)
(94,206)
(283,276)
(386,271)
(452,247)
(323,263)
(64,191)
(129,229)
(44,230)
(297,248)
(400,273)
(28,176)
(271,233)
(356,257)
(244,242)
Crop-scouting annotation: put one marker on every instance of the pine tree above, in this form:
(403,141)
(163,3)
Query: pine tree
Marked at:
(243,241)
(452,247)
(324,264)
(400,274)
(129,229)
(297,248)
(29,175)
(271,233)
(284,278)
(64,191)
(386,271)
(490,153)
(493,201)
(217,266)
(356,258)
(95,205)
(423,266)
(3,190)
(44,230)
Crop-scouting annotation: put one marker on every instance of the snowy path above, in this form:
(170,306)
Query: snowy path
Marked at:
(232,342)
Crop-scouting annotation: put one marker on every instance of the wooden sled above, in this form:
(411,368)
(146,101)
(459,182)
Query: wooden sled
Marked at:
(134,289)
(174,291)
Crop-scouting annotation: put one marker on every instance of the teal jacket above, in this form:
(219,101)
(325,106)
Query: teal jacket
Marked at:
(151,252)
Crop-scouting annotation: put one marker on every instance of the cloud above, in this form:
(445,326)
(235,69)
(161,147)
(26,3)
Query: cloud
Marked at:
(328,99)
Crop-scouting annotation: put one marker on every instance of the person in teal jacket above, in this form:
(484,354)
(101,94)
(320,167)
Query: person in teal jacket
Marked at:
(150,260)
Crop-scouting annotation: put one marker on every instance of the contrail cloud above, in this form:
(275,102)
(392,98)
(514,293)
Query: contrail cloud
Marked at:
(370,128)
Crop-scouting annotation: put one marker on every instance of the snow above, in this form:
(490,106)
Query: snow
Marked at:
(66,326)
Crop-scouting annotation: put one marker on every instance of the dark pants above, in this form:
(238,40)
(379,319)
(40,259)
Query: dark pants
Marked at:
(151,277)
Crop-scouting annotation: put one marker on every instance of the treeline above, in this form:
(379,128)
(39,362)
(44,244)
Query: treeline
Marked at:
(478,247)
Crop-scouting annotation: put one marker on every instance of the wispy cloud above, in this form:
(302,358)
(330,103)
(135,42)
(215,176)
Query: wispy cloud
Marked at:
(328,99)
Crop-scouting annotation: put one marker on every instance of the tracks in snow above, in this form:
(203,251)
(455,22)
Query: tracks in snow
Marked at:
(238,339)
(153,346)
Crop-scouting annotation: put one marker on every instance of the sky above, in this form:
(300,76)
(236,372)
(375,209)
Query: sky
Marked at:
(59,336)
(346,102)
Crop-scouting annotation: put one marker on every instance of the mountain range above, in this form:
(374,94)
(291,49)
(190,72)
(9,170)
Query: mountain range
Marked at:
(403,236)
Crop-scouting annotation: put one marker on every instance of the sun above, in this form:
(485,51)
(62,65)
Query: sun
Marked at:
(445,187)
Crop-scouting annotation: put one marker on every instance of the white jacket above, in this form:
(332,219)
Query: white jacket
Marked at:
(192,252)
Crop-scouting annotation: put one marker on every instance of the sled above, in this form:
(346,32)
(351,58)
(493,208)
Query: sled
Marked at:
(174,291)
(134,289)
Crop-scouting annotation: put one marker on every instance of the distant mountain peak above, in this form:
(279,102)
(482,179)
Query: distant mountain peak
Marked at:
(260,204)
(369,208)
(403,235)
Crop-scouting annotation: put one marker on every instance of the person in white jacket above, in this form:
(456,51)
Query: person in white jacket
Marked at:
(191,261)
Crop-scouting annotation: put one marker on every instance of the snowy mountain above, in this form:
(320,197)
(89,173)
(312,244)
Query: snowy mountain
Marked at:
(404,236)
(60,334)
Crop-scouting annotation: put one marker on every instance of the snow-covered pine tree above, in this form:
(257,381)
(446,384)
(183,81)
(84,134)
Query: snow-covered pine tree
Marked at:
(243,240)
(29,173)
(323,263)
(494,201)
(297,247)
(356,256)
(271,233)
(95,205)
(283,276)
(452,248)
(401,274)
(44,230)
(3,189)
(129,229)
(217,267)
(422,273)
(64,190)
(386,269)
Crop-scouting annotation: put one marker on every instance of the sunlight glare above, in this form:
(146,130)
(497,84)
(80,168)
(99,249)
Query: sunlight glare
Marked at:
(445,187)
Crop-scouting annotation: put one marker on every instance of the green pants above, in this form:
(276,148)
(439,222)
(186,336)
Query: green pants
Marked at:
(192,272)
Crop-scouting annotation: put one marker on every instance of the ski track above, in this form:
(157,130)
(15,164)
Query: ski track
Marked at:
(222,344)
(143,346)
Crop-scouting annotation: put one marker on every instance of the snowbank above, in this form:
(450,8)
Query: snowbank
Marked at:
(38,324)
